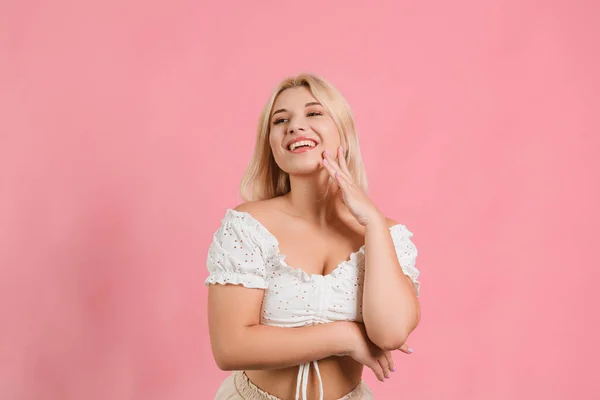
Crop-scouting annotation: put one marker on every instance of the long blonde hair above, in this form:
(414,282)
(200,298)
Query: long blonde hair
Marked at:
(263,179)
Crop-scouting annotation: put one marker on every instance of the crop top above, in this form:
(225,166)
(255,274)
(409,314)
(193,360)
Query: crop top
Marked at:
(244,252)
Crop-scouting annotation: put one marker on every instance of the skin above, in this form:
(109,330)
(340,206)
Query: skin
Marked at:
(332,230)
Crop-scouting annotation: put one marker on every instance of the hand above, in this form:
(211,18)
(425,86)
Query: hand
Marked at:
(368,354)
(353,196)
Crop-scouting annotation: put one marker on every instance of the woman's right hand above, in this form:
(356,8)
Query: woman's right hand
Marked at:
(368,354)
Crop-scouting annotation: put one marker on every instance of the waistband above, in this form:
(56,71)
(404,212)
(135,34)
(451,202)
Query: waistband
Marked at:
(248,390)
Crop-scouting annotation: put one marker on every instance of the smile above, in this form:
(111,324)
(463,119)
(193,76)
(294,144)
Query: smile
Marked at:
(302,146)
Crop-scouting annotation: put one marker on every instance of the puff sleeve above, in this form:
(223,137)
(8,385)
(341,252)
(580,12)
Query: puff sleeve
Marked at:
(235,255)
(407,253)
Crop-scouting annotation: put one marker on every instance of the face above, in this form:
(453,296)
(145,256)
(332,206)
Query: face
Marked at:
(301,130)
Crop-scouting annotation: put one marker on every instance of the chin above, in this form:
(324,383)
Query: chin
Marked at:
(303,168)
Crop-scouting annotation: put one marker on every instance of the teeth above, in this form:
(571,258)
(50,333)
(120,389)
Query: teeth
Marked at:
(309,143)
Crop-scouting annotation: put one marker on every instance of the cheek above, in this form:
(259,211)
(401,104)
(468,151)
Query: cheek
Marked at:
(328,131)
(275,139)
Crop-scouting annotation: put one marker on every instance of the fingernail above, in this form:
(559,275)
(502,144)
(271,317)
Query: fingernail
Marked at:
(387,377)
(393,369)
(326,151)
(410,350)
(325,161)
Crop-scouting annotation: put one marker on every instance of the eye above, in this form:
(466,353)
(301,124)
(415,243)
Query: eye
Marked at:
(279,121)
(314,113)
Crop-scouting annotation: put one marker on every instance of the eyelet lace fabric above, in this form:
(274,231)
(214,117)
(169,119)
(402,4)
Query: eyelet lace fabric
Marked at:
(244,252)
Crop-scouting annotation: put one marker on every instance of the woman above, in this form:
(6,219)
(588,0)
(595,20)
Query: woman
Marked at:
(308,250)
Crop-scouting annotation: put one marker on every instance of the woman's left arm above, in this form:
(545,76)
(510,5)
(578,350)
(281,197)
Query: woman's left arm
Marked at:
(390,305)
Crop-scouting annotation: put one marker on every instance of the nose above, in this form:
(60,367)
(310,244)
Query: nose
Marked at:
(297,125)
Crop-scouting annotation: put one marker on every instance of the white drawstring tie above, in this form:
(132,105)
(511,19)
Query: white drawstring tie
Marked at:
(303,371)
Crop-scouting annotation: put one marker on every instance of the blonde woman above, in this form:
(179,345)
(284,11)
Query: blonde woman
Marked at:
(308,281)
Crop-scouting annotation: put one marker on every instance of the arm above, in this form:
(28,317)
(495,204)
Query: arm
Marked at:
(239,342)
(390,306)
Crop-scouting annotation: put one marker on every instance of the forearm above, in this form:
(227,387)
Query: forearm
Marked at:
(267,347)
(390,306)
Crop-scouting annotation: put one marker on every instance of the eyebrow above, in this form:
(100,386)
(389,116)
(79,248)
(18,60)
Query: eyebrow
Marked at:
(314,103)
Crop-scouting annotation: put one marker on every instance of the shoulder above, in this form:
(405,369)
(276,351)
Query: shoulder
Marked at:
(394,225)
(240,229)
(256,218)
(391,222)
(244,213)
(252,206)
(243,217)
(259,205)
(398,230)
(263,210)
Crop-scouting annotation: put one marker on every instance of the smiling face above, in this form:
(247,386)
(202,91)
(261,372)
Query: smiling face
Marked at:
(300,131)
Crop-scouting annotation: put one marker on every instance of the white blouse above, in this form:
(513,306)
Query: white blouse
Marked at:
(244,252)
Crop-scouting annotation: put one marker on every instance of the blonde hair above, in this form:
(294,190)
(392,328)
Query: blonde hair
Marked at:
(263,179)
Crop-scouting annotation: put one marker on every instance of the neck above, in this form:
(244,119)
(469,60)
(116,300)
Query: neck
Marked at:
(310,199)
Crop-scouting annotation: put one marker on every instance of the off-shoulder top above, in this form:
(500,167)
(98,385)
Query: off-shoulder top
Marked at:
(244,252)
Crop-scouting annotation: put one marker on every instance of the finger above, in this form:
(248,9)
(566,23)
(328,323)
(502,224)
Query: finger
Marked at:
(376,368)
(334,164)
(329,168)
(334,172)
(390,360)
(405,349)
(341,180)
(342,161)
(385,367)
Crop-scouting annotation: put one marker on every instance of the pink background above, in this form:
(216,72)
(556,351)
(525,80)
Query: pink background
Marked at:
(125,127)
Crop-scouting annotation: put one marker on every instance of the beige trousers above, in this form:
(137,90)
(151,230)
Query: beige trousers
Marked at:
(237,386)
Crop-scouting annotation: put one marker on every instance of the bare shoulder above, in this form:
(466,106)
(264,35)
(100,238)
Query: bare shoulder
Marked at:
(256,206)
(260,208)
(391,222)
(249,206)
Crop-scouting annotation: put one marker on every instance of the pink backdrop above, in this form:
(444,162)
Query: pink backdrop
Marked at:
(125,127)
